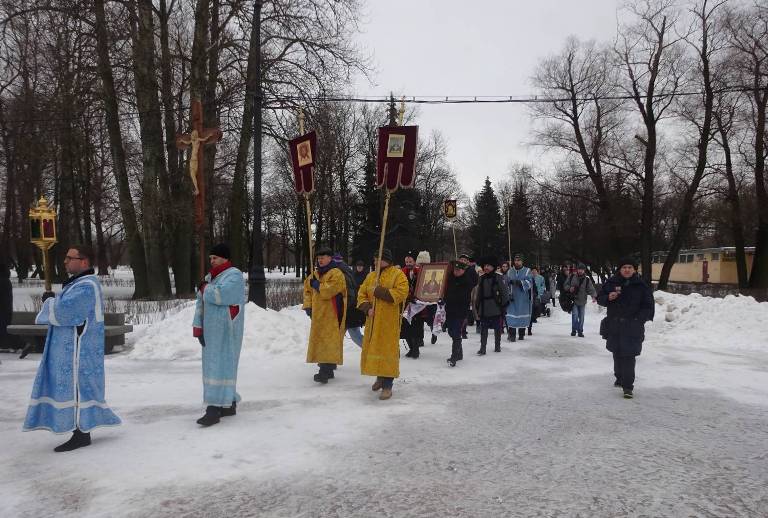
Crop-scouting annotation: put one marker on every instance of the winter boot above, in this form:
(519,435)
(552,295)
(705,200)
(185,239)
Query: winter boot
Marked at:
(483,341)
(433,341)
(376,385)
(628,394)
(581,335)
(497,340)
(617,383)
(385,394)
(227,412)
(511,337)
(521,333)
(530,330)
(78,440)
(322,376)
(211,417)
(451,361)
(573,333)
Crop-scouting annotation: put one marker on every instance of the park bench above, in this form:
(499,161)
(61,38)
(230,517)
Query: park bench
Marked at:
(23,325)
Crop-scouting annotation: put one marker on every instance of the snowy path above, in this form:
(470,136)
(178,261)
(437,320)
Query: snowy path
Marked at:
(536,430)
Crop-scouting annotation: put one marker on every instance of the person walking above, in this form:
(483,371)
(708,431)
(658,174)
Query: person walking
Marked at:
(580,286)
(630,305)
(491,297)
(68,393)
(382,302)
(412,331)
(458,294)
(473,277)
(519,309)
(325,302)
(218,326)
(537,298)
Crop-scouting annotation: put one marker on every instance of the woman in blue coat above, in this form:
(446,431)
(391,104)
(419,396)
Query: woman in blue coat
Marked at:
(630,305)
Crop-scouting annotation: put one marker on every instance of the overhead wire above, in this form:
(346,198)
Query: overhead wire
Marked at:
(291,102)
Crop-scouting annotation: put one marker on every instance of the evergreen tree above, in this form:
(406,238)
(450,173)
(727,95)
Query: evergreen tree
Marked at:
(487,235)
(521,222)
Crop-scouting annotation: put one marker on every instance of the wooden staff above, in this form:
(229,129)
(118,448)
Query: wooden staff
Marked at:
(383,230)
(455,248)
(509,234)
(309,233)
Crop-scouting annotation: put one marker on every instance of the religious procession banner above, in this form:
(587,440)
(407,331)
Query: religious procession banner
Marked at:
(396,162)
(450,209)
(303,156)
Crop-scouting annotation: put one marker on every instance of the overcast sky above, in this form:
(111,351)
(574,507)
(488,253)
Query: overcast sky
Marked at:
(485,47)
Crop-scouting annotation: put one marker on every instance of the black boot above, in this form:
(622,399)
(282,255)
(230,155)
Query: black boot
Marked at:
(497,340)
(511,334)
(521,333)
(226,412)
(530,330)
(78,440)
(483,341)
(433,341)
(211,417)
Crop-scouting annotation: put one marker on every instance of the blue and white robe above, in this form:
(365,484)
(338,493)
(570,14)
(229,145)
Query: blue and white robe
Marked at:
(68,393)
(519,309)
(220,312)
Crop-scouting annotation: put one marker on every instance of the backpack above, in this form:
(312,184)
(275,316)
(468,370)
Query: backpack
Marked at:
(355,317)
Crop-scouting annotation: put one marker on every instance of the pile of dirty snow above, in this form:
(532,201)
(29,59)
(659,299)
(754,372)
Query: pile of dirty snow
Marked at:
(732,322)
(266,331)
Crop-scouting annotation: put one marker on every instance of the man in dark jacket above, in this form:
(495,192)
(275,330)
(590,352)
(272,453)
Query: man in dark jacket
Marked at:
(6,305)
(360,272)
(458,293)
(473,279)
(491,298)
(630,305)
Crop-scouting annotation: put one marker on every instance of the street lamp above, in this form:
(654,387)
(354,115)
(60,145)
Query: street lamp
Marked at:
(42,234)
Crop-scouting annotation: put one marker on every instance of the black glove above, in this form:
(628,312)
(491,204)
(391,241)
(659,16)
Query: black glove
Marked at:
(48,295)
(308,311)
(201,339)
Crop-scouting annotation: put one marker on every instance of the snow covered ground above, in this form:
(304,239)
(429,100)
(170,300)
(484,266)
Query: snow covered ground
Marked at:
(536,430)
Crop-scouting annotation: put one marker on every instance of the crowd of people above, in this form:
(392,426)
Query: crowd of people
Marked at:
(377,308)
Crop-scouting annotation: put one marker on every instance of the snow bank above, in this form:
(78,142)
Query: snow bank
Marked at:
(733,322)
(266,331)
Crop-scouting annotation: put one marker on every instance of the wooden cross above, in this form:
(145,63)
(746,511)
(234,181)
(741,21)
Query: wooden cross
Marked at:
(196,140)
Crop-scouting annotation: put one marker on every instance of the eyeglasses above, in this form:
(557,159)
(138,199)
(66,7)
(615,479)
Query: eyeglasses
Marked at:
(69,258)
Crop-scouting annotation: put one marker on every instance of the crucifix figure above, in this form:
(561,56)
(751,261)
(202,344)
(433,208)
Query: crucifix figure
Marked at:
(196,140)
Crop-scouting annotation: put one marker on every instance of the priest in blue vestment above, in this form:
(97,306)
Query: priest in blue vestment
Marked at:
(218,325)
(520,283)
(68,394)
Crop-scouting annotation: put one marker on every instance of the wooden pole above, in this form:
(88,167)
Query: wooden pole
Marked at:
(509,235)
(455,248)
(309,234)
(383,231)
(47,269)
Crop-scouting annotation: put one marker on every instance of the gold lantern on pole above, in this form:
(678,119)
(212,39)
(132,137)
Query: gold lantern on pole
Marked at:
(42,234)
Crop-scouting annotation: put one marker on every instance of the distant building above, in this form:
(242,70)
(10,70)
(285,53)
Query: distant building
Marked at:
(706,265)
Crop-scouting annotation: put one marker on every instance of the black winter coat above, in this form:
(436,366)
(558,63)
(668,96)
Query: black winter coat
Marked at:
(624,327)
(492,296)
(560,280)
(458,294)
